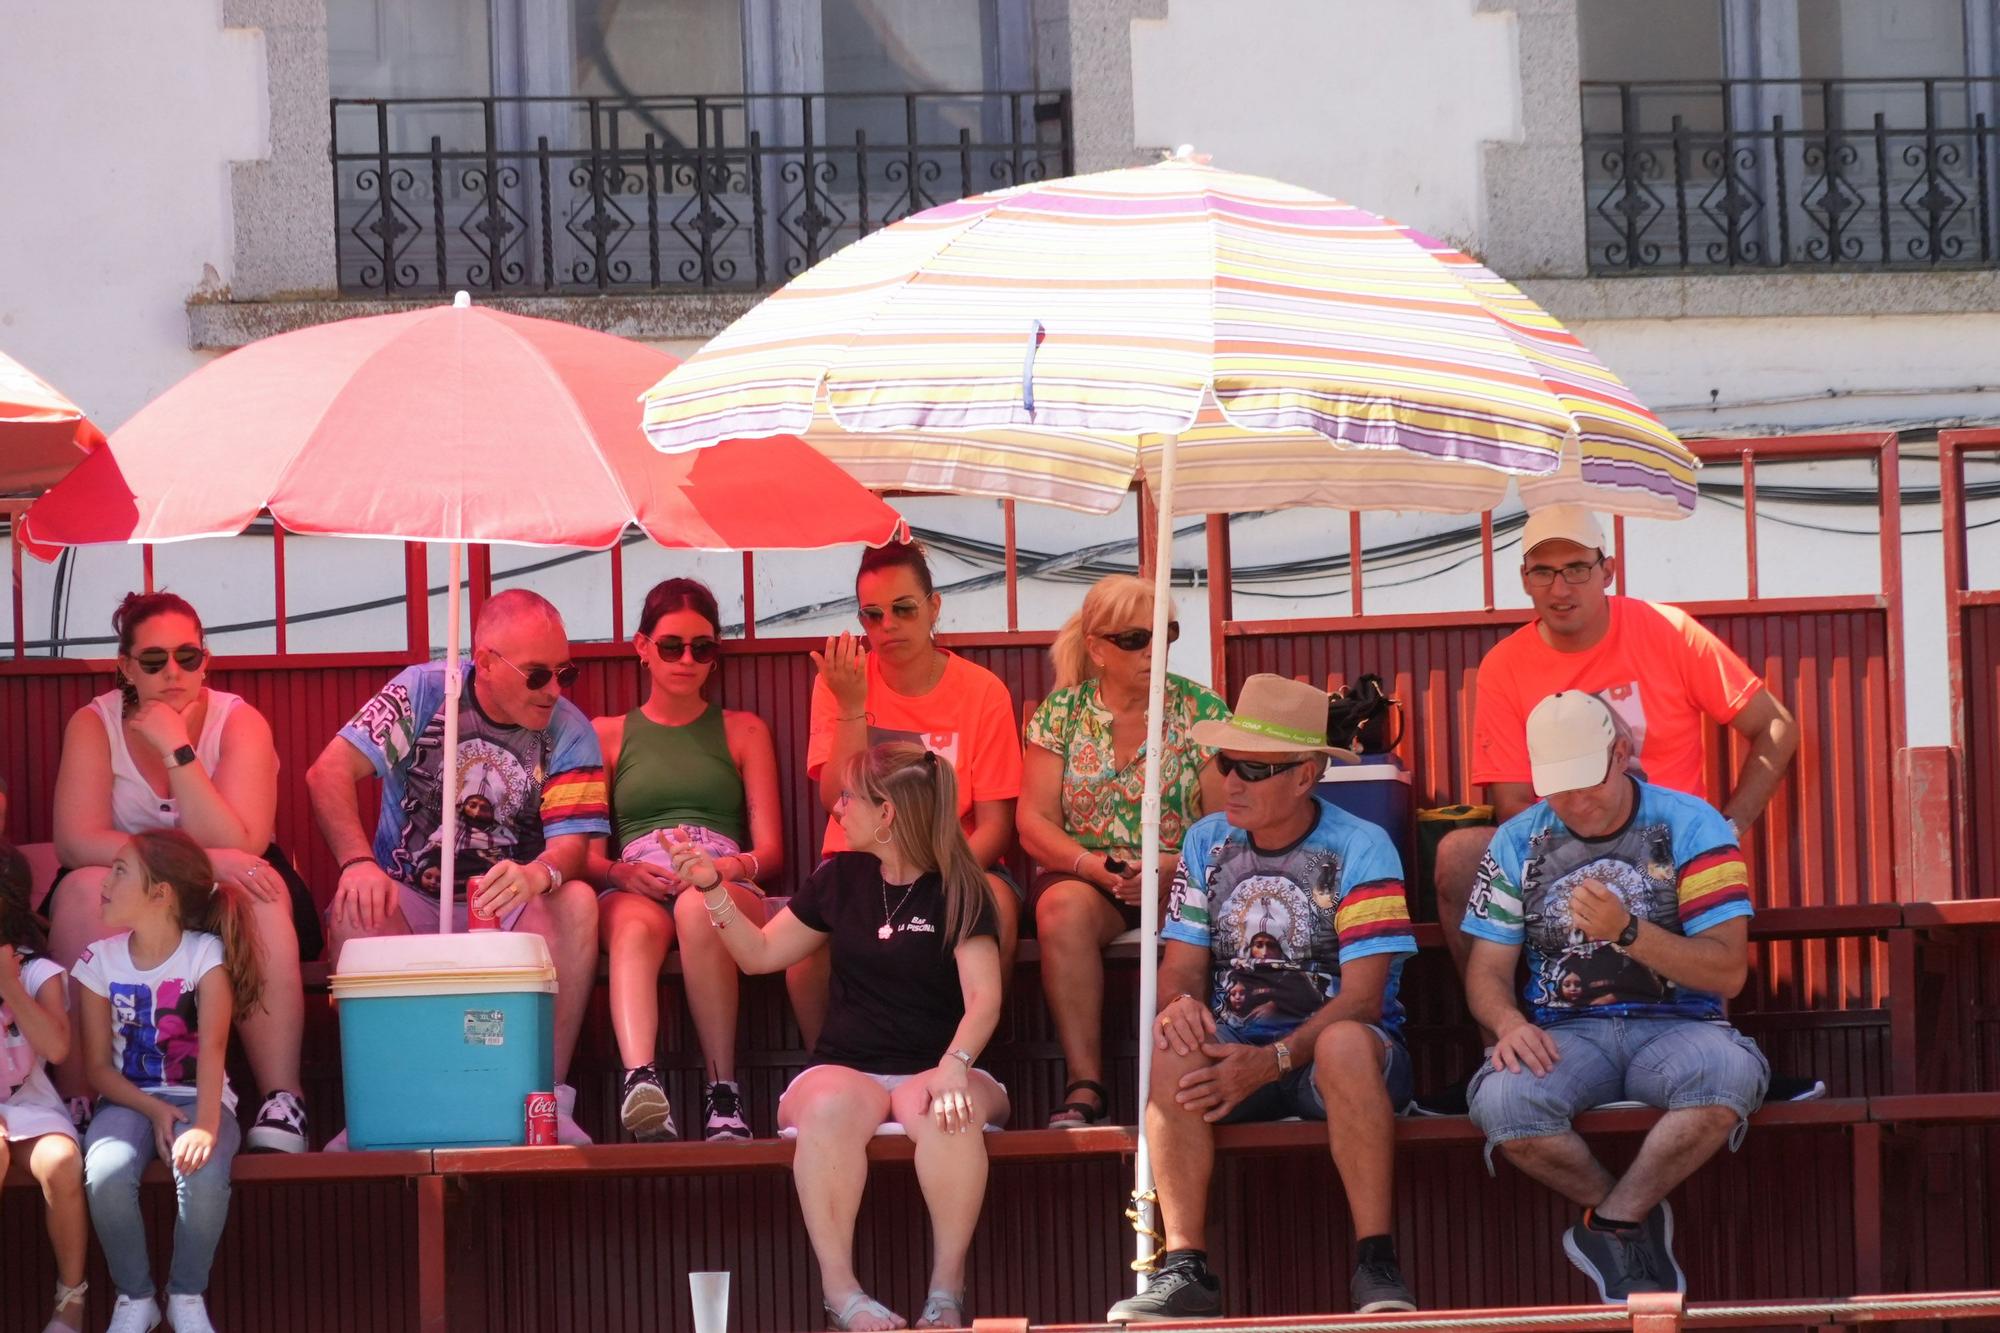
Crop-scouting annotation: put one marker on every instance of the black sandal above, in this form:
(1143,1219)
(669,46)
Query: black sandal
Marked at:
(1084,1115)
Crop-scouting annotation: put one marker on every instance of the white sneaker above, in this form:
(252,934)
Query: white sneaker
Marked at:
(338,1143)
(188,1314)
(134,1316)
(567,1131)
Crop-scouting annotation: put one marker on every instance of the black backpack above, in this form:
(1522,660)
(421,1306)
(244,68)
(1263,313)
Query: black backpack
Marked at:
(1364,719)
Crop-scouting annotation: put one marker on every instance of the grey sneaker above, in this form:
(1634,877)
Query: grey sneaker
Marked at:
(644,1109)
(723,1121)
(1620,1263)
(1377,1287)
(1184,1289)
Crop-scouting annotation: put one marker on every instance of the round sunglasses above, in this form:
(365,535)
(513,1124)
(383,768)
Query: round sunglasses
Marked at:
(1252,770)
(673,648)
(1133,640)
(188,657)
(536,678)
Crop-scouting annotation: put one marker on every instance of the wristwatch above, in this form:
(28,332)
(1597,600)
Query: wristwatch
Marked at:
(181,757)
(1284,1054)
(1627,936)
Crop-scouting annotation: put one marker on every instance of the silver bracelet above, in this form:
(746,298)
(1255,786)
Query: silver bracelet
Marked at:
(756,866)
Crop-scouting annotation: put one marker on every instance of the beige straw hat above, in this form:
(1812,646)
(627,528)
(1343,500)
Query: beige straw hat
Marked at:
(1274,715)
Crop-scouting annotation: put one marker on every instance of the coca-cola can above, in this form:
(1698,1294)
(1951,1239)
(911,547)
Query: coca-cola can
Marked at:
(474,918)
(541,1117)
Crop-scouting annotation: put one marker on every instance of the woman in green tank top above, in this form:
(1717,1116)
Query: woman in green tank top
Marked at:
(683,764)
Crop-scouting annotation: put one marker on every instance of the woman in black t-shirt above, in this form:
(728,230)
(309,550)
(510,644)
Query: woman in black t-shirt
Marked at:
(915,997)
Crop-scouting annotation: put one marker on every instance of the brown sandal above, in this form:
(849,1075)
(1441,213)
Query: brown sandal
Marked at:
(1082,1115)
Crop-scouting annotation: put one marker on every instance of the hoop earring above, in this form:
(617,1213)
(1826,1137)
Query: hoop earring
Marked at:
(879,838)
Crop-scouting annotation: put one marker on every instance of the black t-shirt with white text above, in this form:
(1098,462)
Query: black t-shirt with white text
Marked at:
(895,1003)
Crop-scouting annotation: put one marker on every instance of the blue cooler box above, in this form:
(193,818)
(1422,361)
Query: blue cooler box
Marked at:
(1378,790)
(442,1037)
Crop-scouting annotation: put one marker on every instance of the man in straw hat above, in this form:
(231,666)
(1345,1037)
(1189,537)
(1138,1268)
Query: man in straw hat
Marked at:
(1287,900)
(1633,903)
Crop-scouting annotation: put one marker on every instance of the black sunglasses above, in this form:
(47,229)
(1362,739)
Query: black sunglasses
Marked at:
(905,609)
(538,677)
(188,657)
(1133,640)
(674,649)
(1252,770)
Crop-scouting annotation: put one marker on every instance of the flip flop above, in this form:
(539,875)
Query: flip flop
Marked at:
(935,1306)
(858,1304)
(1081,1115)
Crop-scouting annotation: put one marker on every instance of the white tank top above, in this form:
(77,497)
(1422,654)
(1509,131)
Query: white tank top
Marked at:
(135,806)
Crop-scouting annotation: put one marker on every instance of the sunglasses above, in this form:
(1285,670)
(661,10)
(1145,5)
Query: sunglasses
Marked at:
(188,657)
(905,609)
(674,649)
(538,677)
(1252,770)
(1132,640)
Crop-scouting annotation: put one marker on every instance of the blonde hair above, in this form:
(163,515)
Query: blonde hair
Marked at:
(926,833)
(1114,601)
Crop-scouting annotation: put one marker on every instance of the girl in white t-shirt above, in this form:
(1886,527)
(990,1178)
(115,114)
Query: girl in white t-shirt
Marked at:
(34,1029)
(157,1003)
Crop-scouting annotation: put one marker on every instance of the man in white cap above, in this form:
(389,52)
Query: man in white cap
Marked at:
(1663,676)
(1633,904)
(1286,934)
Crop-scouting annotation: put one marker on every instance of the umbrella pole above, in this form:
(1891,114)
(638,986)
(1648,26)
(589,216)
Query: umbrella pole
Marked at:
(448,775)
(1149,855)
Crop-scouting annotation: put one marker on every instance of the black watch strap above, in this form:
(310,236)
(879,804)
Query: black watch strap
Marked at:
(182,757)
(1630,934)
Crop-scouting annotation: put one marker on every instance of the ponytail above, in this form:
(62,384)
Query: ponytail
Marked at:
(927,834)
(202,903)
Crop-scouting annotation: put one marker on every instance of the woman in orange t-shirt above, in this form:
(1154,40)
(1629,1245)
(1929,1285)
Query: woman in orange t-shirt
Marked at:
(899,685)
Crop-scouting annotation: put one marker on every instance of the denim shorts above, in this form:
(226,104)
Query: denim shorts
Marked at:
(1295,1094)
(1670,1063)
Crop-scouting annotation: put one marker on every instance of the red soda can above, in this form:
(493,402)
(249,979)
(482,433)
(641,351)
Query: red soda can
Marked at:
(474,918)
(541,1116)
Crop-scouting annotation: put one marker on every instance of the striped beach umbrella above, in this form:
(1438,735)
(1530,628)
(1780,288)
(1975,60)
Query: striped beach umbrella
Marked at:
(1241,343)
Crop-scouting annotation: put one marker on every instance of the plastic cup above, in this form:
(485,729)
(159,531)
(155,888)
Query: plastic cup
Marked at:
(710,1295)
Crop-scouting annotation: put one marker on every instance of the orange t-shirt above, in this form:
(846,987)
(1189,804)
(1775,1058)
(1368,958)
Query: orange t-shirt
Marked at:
(1657,667)
(966,719)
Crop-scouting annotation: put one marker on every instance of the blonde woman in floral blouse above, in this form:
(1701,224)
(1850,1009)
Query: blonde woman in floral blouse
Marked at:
(1078,816)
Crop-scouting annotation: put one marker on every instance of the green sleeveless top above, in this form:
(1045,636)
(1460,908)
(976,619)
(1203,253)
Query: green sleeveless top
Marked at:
(668,776)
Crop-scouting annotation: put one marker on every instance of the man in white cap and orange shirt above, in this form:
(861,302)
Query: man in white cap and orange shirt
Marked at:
(1286,933)
(1659,671)
(1632,902)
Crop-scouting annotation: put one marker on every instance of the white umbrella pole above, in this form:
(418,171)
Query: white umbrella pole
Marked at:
(448,774)
(1149,854)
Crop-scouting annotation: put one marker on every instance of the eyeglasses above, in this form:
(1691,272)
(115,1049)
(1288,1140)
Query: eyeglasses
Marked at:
(1541,576)
(905,609)
(1134,640)
(672,648)
(536,678)
(188,657)
(1252,770)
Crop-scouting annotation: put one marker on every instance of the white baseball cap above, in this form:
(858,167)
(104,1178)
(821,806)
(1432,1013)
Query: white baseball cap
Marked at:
(1570,736)
(1563,523)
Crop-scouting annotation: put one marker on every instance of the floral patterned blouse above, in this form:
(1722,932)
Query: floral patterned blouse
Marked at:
(1101,802)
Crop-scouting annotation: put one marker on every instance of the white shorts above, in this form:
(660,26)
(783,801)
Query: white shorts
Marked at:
(20,1121)
(888,1083)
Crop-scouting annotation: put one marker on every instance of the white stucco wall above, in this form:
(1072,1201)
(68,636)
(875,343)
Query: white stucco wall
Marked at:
(118,122)
(1325,94)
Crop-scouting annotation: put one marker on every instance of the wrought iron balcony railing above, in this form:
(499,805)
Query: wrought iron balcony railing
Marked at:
(1792,174)
(539,194)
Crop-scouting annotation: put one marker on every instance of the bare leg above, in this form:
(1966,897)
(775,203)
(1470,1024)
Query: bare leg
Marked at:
(567,919)
(1074,922)
(712,979)
(272,1034)
(1564,1164)
(637,934)
(806,981)
(1360,1123)
(1007,916)
(1674,1148)
(1183,1146)
(57,1166)
(951,1171)
(835,1111)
